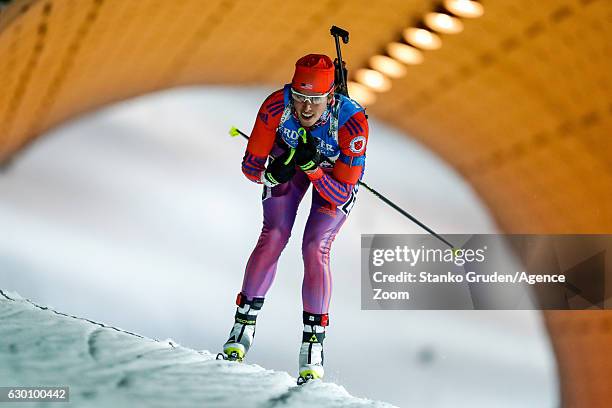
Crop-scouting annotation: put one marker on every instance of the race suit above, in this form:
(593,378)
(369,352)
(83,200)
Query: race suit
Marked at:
(341,135)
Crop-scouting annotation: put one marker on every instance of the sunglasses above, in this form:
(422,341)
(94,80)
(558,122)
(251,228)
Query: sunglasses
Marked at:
(315,100)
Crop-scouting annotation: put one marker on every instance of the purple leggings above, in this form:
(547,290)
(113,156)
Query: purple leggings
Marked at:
(280,206)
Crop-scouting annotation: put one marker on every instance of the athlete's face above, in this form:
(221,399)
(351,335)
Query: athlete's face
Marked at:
(308,112)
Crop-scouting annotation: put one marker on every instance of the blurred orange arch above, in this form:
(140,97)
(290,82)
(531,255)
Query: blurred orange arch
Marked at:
(519,102)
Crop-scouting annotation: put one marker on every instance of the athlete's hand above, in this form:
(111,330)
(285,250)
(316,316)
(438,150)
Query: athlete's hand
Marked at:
(307,157)
(281,170)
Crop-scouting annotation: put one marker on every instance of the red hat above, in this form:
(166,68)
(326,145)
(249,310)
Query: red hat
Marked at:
(313,73)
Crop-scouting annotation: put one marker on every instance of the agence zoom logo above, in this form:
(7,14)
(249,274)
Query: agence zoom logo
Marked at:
(413,256)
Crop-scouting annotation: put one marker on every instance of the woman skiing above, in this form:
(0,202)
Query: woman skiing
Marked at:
(310,135)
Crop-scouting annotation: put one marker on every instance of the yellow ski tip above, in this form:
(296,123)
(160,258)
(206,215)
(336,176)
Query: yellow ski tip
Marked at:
(234,131)
(455,250)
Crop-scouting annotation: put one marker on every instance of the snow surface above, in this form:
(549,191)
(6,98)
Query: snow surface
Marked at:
(107,367)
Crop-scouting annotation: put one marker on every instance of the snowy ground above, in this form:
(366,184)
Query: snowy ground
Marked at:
(139,215)
(107,367)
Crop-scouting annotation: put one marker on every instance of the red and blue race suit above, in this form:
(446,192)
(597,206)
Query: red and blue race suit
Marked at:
(342,135)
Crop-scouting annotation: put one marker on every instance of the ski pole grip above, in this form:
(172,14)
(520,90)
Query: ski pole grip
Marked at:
(302,133)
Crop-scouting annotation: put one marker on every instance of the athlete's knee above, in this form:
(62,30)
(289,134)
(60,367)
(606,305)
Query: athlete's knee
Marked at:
(315,246)
(277,236)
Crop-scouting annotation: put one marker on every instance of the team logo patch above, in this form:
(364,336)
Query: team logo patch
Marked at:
(358,144)
(306,86)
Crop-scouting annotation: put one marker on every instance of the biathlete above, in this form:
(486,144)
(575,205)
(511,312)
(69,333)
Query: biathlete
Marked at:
(297,128)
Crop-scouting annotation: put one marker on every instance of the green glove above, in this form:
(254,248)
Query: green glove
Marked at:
(307,157)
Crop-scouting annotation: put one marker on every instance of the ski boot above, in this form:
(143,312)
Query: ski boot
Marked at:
(311,351)
(242,333)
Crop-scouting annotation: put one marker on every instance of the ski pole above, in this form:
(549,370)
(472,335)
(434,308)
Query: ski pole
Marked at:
(234,131)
